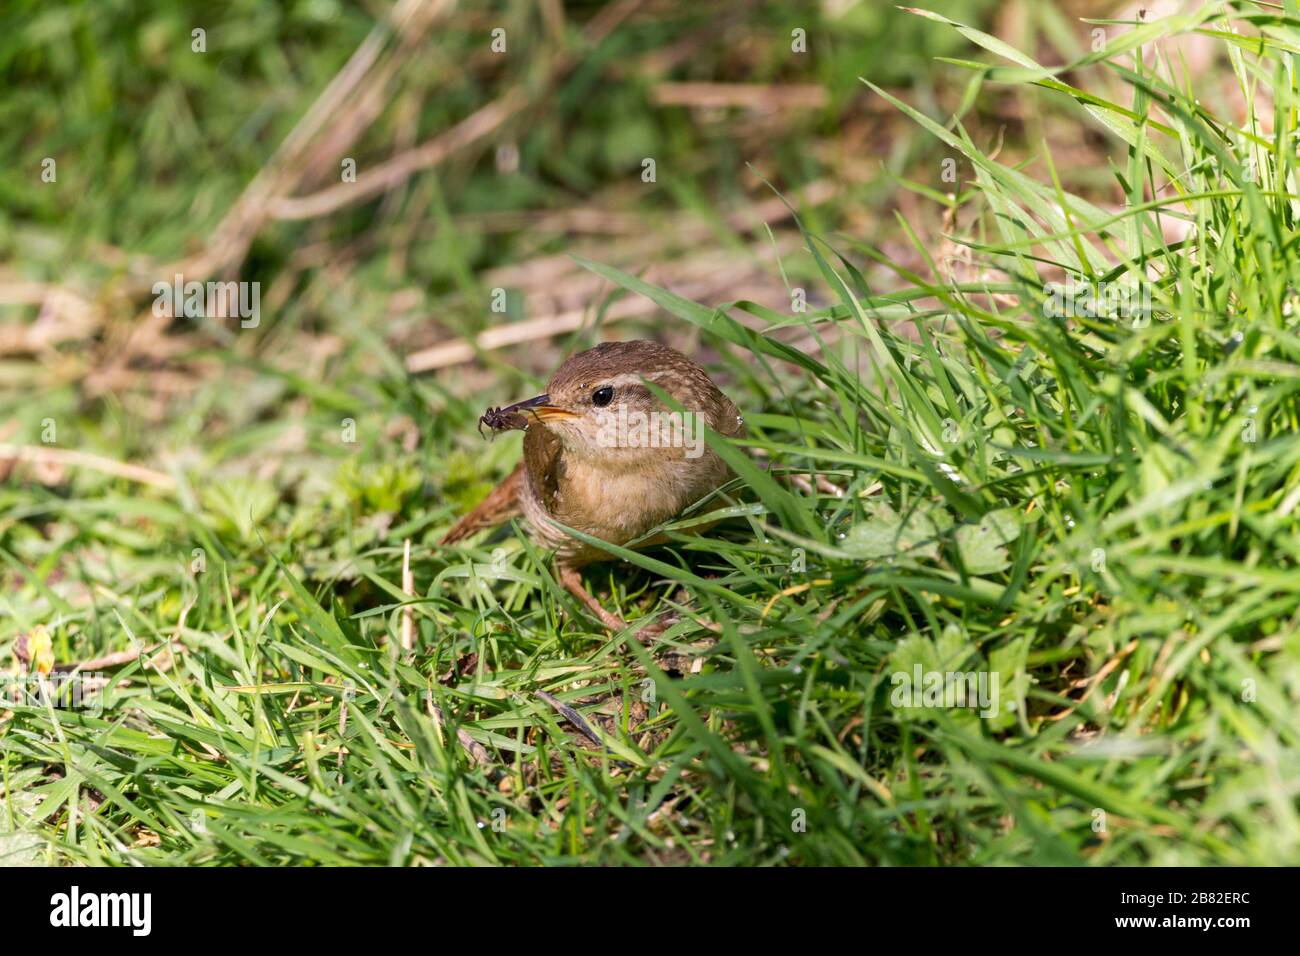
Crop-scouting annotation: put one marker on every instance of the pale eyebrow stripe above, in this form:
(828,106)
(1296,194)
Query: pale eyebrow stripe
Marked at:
(630,378)
(626,379)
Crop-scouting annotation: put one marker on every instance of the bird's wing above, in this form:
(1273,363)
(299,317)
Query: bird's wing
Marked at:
(544,462)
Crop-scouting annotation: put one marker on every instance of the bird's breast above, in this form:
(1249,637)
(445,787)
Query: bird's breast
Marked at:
(614,507)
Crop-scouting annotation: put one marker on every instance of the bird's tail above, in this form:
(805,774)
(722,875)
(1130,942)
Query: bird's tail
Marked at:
(501,504)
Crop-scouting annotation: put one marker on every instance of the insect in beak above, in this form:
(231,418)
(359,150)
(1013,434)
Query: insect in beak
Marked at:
(520,414)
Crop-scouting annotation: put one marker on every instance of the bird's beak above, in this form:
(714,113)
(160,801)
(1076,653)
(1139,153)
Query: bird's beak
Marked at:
(521,414)
(541,408)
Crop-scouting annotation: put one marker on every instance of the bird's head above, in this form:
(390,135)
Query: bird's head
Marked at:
(600,407)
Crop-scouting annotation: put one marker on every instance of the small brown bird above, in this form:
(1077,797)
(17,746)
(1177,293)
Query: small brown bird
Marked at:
(604,455)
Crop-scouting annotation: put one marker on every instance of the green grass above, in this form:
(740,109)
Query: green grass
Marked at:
(1099,511)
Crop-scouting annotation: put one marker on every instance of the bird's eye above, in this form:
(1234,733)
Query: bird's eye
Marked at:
(602,396)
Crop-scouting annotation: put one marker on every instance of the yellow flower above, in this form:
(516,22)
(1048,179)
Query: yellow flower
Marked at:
(42,650)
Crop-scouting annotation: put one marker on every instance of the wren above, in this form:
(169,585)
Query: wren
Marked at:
(604,455)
